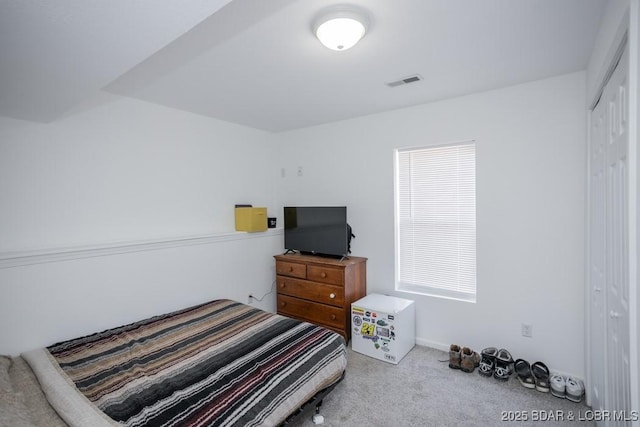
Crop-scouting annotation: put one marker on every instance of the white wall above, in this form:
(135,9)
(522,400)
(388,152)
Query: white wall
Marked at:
(45,303)
(125,170)
(531,148)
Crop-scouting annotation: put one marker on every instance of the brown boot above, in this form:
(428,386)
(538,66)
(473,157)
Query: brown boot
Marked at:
(454,356)
(469,359)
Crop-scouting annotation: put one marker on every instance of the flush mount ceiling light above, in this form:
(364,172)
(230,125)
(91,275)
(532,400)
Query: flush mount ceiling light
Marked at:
(340,28)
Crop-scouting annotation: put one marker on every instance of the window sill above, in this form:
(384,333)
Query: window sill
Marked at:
(419,290)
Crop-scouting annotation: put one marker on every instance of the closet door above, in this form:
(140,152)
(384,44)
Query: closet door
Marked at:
(609,246)
(617,239)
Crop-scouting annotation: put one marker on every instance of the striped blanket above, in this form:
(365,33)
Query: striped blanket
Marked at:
(222,363)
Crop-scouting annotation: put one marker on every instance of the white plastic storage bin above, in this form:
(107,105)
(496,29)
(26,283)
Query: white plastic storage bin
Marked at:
(383,327)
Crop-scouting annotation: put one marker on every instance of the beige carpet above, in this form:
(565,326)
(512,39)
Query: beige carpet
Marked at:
(421,391)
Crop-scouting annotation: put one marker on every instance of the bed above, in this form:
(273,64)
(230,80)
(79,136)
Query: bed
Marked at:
(222,363)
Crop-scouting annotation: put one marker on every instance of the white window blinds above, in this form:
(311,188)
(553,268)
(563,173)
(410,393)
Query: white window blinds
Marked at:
(436,221)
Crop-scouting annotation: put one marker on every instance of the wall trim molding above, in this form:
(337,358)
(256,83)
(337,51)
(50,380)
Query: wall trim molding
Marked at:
(43,256)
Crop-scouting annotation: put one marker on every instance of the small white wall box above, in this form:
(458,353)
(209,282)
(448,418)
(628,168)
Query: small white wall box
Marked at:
(383,327)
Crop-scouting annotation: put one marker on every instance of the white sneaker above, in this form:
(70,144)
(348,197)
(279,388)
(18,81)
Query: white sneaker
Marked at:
(574,389)
(558,386)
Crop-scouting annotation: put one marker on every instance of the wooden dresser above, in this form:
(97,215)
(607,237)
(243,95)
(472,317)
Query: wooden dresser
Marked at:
(320,290)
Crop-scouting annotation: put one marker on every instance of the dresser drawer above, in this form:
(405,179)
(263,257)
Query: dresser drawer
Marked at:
(314,291)
(291,269)
(334,276)
(310,311)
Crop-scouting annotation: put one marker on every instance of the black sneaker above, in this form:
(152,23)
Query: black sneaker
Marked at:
(504,363)
(488,361)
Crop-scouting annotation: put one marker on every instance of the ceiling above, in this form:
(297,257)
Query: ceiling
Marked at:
(257,63)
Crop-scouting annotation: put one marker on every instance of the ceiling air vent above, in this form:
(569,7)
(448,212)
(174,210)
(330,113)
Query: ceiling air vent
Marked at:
(406,80)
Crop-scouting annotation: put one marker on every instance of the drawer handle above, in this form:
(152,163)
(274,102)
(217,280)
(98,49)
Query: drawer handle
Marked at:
(282,304)
(323,274)
(332,295)
(333,317)
(282,285)
(290,269)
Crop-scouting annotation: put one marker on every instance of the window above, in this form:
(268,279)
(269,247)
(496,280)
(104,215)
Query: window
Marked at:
(435,203)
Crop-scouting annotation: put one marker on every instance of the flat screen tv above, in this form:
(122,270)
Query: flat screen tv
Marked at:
(317,230)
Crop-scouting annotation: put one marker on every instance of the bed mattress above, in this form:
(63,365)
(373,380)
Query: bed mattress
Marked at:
(221,363)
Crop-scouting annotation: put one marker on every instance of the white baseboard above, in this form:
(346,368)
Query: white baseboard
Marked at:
(432,344)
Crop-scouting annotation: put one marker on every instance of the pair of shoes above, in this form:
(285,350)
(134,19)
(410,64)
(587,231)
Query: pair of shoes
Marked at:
(532,376)
(523,373)
(496,363)
(541,375)
(503,368)
(569,388)
(463,358)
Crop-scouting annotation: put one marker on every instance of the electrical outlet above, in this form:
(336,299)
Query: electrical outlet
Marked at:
(527,330)
(250,299)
